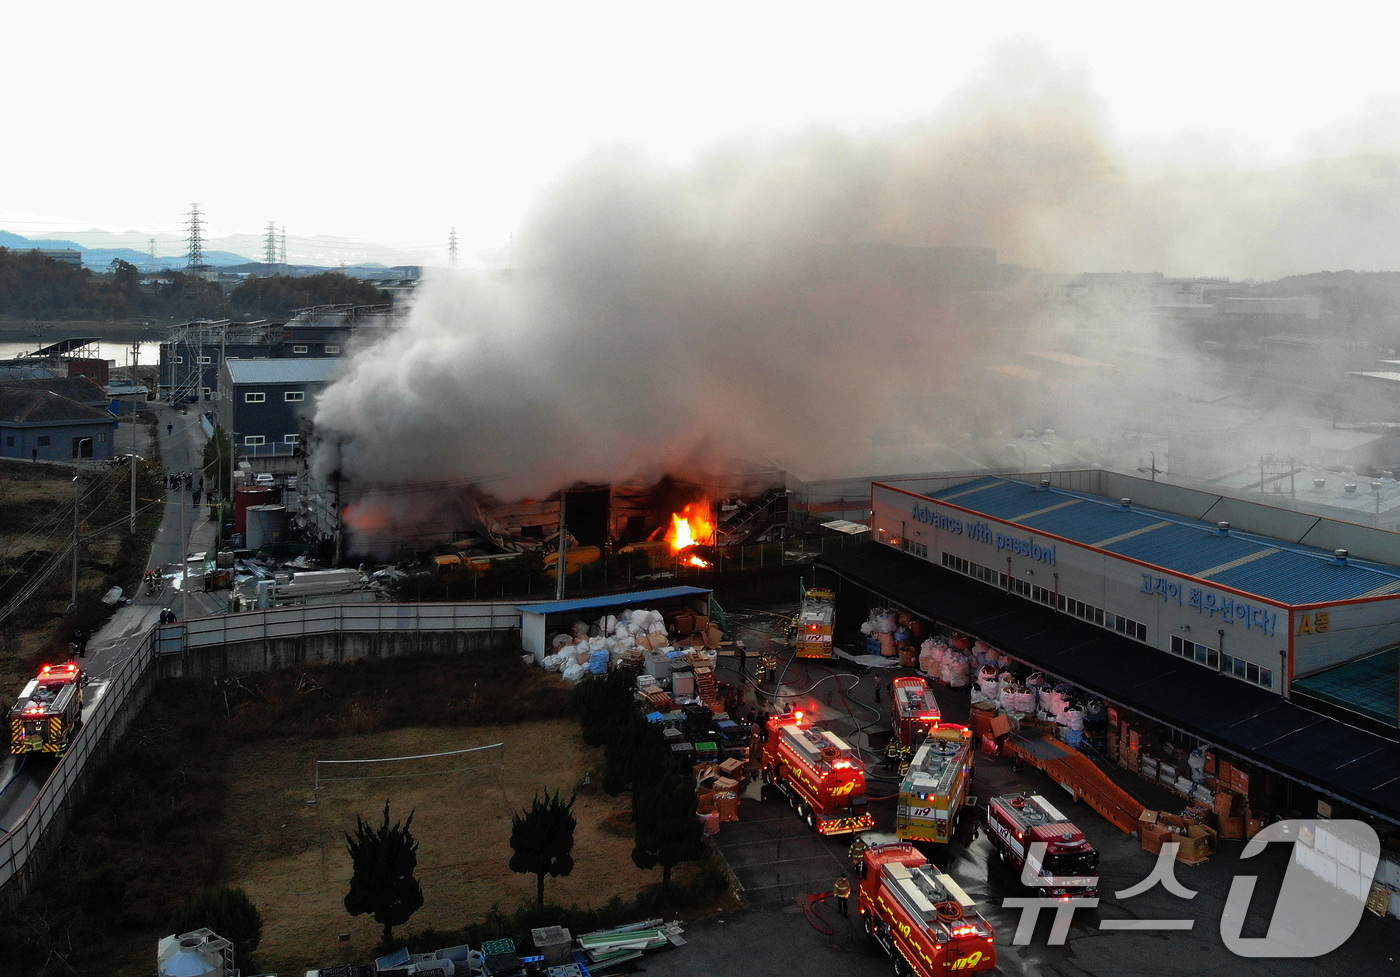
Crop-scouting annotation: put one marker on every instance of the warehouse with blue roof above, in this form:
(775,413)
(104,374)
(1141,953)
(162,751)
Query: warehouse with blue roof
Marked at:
(1243,625)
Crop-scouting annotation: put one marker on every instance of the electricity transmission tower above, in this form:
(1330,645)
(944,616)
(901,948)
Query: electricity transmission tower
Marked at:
(452,248)
(153,254)
(270,245)
(195,262)
(284,244)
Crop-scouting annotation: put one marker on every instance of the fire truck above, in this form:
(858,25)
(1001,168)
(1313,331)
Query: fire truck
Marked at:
(937,784)
(48,711)
(1068,866)
(913,710)
(922,918)
(814,621)
(819,773)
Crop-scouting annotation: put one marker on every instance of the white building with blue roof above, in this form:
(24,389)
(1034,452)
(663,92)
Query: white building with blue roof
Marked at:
(1258,593)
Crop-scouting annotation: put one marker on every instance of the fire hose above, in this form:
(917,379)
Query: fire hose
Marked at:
(809,902)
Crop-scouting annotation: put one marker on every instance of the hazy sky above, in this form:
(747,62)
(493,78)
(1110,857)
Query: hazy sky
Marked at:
(391,124)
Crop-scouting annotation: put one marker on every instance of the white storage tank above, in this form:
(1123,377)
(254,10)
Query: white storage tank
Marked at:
(267,524)
(199,953)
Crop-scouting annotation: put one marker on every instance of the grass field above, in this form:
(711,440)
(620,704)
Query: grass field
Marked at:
(204,790)
(290,856)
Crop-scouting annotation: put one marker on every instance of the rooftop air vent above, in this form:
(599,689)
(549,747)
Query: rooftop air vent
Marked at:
(1350,488)
(1224,527)
(1045,484)
(1319,483)
(1376,487)
(1127,503)
(1341,556)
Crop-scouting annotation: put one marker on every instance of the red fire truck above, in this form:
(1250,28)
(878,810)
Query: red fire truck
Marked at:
(923,919)
(1019,823)
(46,715)
(814,623)
(933,791)
(820,774)
(913,710)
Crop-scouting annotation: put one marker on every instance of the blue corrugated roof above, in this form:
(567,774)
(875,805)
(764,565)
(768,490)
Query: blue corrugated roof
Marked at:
(639,598)
(1275,570)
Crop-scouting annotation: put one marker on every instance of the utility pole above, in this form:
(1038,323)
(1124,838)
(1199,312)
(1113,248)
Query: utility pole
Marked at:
(184,561)
(77,491)
(561,567)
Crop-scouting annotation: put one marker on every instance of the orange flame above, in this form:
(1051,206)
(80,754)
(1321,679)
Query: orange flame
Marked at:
(690,526)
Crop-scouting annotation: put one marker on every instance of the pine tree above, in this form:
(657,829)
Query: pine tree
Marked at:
(383,883)
(543,841)
(668,832)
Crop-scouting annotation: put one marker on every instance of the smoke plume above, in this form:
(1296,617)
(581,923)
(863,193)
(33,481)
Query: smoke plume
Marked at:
(802,298)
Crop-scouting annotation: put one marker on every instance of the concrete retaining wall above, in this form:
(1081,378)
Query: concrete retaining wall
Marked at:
(270,654)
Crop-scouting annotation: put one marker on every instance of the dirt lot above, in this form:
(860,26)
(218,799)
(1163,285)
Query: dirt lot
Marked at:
(289,855)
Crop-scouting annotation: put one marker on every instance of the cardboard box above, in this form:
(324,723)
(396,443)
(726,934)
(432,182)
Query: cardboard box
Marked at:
(1252,826)
(1152,837)
(1231,826)
(1001,725)
(1225,770)
(1147,819)
(1239,781)
(1228,804)
(731,768)
(1210,767)
(1204,836)
(723,784)
(1173,821)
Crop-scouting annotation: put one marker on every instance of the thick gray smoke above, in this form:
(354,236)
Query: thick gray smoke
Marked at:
(771,299)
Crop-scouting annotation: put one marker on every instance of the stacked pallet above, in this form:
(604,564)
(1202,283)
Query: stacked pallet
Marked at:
(705,688)
(656,700)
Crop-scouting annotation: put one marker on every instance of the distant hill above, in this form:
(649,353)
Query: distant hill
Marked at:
(99,258)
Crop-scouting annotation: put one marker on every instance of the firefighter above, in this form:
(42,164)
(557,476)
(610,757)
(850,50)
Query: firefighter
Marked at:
(742,653)
(906,756)
(892,754)
(857,852)
(842,891)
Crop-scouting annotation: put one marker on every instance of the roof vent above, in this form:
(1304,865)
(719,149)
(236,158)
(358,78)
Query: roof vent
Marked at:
(1045,484)
(1319,483)
(1376,487)
(1350,488)
(1341,557)
(1127,503)
(1224,527)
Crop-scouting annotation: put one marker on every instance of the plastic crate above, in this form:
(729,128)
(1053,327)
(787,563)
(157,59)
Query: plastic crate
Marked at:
(493,947)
